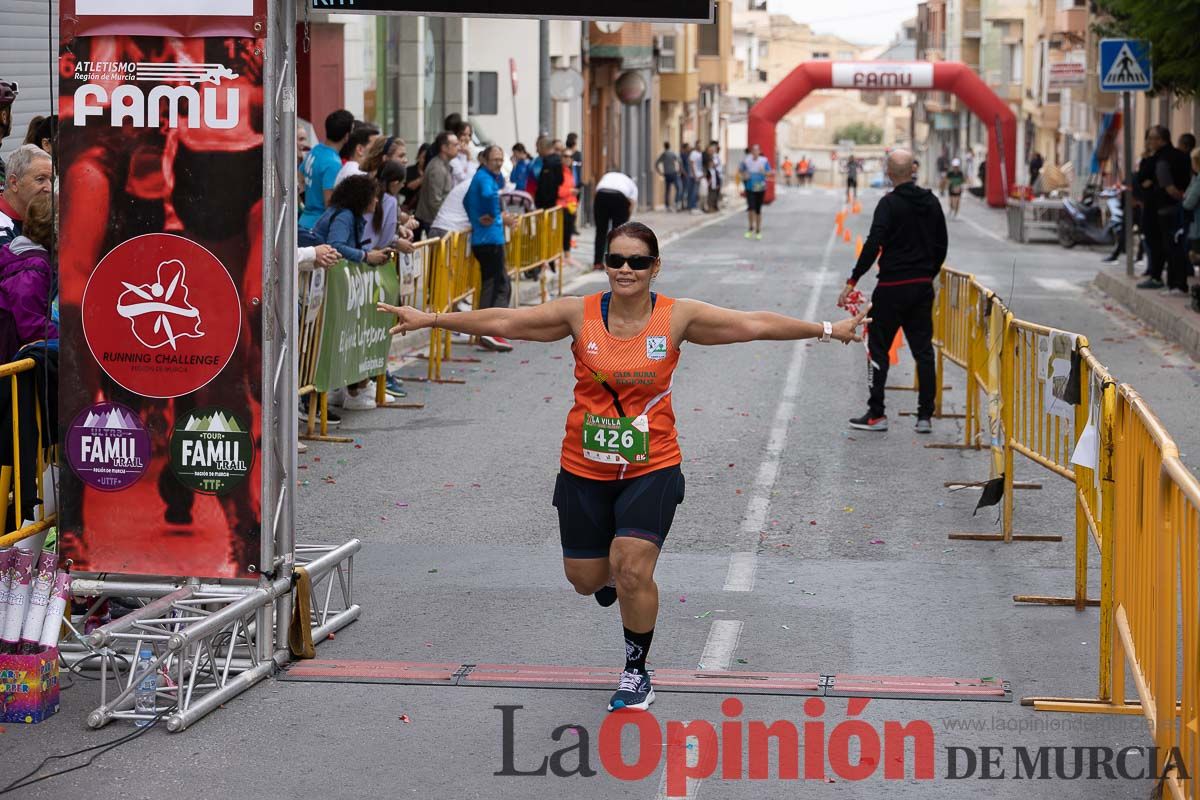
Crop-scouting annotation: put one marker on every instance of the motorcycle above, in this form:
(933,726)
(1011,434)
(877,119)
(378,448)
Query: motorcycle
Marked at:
(1083,222)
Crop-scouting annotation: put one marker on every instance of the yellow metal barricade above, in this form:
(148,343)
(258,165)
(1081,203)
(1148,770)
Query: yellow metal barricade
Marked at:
(30,518)
(1183,549)
(310,289)
(414,272)
(554,253)
(1154,627)
(1039,421)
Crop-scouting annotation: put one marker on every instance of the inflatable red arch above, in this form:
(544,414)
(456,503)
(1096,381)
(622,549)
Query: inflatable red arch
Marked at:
(945,76)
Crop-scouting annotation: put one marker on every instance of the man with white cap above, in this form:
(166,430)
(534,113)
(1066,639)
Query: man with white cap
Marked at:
(955,179)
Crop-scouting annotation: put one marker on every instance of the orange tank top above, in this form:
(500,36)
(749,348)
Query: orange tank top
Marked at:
(622,424)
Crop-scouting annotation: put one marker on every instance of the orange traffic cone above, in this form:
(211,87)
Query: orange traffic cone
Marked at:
(846,235)
(894,351)
(857,207)
(858,246)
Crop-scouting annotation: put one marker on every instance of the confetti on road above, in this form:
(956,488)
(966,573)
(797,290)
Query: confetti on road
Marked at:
(876,541)
(849,509)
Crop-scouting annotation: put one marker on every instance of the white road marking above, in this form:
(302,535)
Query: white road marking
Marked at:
(742,569)
(983,230)
(1059,285)
(744,565)
(722,640)
(723,637)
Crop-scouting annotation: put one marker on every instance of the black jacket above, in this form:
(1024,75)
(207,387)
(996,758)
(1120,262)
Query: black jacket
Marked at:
(910,229)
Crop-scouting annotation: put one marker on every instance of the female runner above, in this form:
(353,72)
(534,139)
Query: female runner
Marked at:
(620,479)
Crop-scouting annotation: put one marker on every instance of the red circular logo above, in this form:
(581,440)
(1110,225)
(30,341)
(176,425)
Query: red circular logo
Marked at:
(161,315)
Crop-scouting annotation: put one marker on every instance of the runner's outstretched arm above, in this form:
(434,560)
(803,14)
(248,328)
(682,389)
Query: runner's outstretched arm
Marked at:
(547,322)
(703,323)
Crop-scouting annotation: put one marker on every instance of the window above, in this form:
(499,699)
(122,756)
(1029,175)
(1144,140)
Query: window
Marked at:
(481,93)
(817,54)
(666,53)
(1014,63)
(710,40)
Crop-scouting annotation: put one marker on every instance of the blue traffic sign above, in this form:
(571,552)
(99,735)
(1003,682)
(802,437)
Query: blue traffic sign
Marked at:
(1125,65)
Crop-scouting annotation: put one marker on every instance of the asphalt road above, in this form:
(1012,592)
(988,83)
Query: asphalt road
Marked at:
(801,547)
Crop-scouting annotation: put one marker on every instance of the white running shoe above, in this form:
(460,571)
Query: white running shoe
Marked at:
(363,401)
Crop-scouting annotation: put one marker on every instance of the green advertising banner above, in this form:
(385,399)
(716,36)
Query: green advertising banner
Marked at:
(354,336)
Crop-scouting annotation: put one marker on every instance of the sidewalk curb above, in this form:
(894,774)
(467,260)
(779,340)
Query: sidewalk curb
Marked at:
(1170,316)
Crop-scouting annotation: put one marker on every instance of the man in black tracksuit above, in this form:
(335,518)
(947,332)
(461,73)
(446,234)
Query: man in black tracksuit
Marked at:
(910,229)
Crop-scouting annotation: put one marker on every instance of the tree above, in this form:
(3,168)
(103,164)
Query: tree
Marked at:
(1170,26)
(859,133)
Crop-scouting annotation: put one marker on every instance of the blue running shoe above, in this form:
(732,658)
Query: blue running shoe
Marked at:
(634,691)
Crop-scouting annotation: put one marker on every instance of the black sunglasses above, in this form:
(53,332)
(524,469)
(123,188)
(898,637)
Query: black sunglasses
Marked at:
(616,261)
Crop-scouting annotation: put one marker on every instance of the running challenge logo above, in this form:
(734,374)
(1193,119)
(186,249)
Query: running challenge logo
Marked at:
(191,91)
(161,315)
(631,747)
(150,307)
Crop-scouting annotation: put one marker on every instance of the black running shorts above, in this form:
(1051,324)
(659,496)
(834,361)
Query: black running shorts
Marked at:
(754,201)
(592,513)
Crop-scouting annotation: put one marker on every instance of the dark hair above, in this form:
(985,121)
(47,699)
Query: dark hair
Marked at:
(638,231)
(519,148)
(357,137)
(390,171)
(460,129)
(452,121)
(572,139)
(439,142)
(422,154)
(354,194)
(1187,142)
(338,125)
(666,145)
(46,129)
(1163,132)
(31,131)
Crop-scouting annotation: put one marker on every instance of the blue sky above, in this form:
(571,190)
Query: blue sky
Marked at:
(860,21)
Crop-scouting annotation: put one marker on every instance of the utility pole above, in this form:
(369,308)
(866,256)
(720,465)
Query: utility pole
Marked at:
(545,109)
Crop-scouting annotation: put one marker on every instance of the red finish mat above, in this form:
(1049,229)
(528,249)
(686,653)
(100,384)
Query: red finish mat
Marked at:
(537,676)
(400,672)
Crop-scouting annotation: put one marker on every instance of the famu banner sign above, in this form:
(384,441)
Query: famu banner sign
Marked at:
(354,336)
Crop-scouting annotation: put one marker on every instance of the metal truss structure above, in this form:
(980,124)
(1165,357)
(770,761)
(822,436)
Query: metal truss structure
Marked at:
(213,640)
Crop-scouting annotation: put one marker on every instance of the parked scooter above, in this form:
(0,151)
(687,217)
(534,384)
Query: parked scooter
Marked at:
(1083,222)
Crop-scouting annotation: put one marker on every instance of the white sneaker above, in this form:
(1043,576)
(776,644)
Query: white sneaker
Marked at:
(337,397)
(464,305)
(460,337)
(301,448)
(363,401)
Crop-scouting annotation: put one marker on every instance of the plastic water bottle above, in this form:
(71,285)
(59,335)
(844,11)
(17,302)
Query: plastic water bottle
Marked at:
(145,696)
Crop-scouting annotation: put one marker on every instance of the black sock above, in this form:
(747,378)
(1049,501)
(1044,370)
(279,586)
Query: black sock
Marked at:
(637,645)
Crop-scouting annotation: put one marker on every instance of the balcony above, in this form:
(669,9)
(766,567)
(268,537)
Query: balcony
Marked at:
(679,87)
(713,70)
(1072,22)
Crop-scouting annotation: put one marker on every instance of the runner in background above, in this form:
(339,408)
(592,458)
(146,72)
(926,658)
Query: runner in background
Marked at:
(754,172)
(786,169)
(853,166)
(955,179)
(620,478)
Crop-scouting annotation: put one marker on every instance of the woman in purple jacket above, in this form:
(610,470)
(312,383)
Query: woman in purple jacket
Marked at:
(27,281)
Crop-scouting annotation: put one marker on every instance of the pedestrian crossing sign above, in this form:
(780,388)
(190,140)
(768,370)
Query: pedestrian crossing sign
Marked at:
(1125,65)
